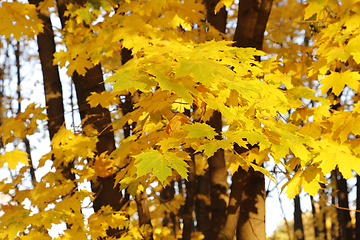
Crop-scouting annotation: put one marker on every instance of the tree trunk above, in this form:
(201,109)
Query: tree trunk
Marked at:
(202,205)
(251,224)
(52,83)
(99,118)
(218,20)
(25,139)
(167,194)
(218,181)
(190,200)
(298,224)
(144,215)
(51,77)
(315,219)
(252,19)
(233,211)
(217,167)
(344,219)
(357,215)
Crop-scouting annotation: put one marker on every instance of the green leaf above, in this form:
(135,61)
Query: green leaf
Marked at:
(168,83)
(177,163)
(211,147)
(198,130)
(153,160)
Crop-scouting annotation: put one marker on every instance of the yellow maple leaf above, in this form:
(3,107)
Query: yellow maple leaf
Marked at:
(13,158)
(104,166)
(337,82)
(18,20)
(104,99)
(334,154)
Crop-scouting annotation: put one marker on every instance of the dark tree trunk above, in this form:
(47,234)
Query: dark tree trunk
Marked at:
(344,219)
(202,205)
(52,83)
(218,181)
(252,19)
(99,118)
(216,20)
(190,200)
(167,194)
(25,140)
(217,167)
(357,215)
(144,215)
(314,217)
(334,231)
(298,223)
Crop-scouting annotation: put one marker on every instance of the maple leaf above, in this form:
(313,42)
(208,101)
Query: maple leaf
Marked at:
(19,20)
(203,71)
(198,130)
(313,8)
(340,155)
(104,99)
(13,158)
(160,164)
(293,185)
(337,82)
(103,165)
(211,147)
(178,120)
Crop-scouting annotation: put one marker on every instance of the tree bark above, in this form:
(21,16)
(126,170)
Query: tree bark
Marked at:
(189,201)
(357,215)
(251,224)
(99,118)
(203,206)
(52,83)
(25,139)
(252,19)
(344,219)
(315,219)
(233,211)
(216,20)
(217,167)
(144,215)
(51,77)
(218,181)
(298,224)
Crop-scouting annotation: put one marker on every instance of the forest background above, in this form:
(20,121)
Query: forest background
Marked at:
(178,111)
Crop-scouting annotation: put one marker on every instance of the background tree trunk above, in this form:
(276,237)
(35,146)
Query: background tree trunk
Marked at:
(344,219)
(188,220)
(357,214)
(298,223)
(51,77)
(202,205)
(315,218)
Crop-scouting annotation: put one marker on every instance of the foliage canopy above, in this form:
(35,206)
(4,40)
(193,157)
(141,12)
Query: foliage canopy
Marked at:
(183,70)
